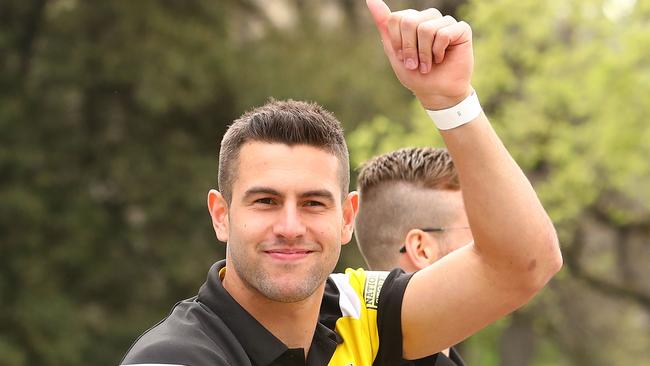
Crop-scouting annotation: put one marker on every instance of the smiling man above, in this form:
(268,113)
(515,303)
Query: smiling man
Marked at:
(284,210)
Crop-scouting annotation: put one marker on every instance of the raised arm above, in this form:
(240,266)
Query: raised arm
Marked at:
(516,250)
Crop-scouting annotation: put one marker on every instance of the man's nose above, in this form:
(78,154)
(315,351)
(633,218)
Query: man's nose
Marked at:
(289,225)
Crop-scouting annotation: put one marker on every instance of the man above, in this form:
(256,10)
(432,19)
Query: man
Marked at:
(284,211)
(411,214)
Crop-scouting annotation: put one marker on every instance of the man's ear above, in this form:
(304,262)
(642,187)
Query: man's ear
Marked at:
(218,208)
(350,209)
(421,249)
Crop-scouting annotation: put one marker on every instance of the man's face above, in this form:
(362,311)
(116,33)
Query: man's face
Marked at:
(286,222)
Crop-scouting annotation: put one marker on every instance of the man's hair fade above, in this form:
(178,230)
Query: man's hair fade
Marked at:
(424,167)
(392,188)
(287,122)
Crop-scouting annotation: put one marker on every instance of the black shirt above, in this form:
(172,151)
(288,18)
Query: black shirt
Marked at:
(357,327)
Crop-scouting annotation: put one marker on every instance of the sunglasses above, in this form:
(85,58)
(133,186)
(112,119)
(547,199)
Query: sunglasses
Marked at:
(434,230)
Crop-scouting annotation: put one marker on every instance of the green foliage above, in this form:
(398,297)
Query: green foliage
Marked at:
(565,85)
(110,113)
(566,88)
(480,349)
(109,117)
(566,91)
(381,135)
(105,123)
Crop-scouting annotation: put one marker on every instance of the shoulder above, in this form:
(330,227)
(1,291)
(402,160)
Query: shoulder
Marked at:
(367,286)
(180,339)
(358,285)
(172,351)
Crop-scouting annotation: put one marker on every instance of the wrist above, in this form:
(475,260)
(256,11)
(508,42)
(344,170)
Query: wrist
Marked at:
(434,102)
(457,115)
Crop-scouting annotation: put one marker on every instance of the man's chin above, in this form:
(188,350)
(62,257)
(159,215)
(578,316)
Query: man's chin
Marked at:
(286,294)
(290,287)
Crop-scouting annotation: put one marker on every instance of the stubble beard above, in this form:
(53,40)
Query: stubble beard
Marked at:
(255,277)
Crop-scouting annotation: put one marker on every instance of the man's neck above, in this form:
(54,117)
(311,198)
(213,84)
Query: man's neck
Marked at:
(292,323)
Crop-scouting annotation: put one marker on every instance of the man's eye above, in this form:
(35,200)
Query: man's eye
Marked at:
(314,203)
(264,201)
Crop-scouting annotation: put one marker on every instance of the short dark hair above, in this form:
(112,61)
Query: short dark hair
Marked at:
(288,122)
(395,189)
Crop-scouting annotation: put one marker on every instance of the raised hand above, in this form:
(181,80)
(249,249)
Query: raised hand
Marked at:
(431,54)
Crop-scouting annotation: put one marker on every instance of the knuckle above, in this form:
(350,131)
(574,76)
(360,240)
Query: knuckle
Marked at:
(443,33)
(394,19)
(442,37)
(465,25)
(433,12)
(409,22)
(424,29)
(449,18)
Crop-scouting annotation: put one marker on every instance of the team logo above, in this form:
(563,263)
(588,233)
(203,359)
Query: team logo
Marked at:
(372,288)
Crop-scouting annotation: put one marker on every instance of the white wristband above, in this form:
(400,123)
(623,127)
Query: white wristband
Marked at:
(458,115)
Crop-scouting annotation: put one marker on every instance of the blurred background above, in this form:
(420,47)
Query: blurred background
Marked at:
(111,113)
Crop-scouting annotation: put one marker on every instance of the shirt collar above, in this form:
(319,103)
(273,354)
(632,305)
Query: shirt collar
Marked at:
(260,345)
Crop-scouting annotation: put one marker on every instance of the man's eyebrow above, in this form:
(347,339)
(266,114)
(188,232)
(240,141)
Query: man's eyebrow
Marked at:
(260,190)
(322,193)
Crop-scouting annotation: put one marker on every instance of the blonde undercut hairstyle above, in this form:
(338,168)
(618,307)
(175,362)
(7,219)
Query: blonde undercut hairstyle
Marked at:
(396,193)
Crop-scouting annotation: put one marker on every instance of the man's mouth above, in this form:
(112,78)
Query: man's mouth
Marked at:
(288,253)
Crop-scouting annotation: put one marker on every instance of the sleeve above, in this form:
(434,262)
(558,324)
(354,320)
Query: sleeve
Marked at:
(389,318)
(368,317)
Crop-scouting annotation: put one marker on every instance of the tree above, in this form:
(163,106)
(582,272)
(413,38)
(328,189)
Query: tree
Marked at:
(103,114)
(109,117)
(565,85)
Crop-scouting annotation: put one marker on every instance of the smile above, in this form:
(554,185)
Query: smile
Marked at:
(288,254)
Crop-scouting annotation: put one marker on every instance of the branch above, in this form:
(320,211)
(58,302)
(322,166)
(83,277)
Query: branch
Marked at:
(26,42)
(572,260)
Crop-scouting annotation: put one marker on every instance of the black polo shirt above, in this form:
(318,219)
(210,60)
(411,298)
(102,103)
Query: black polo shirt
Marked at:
(357,327)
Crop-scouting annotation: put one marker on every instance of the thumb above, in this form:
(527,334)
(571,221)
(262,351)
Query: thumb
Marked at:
(380,14)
